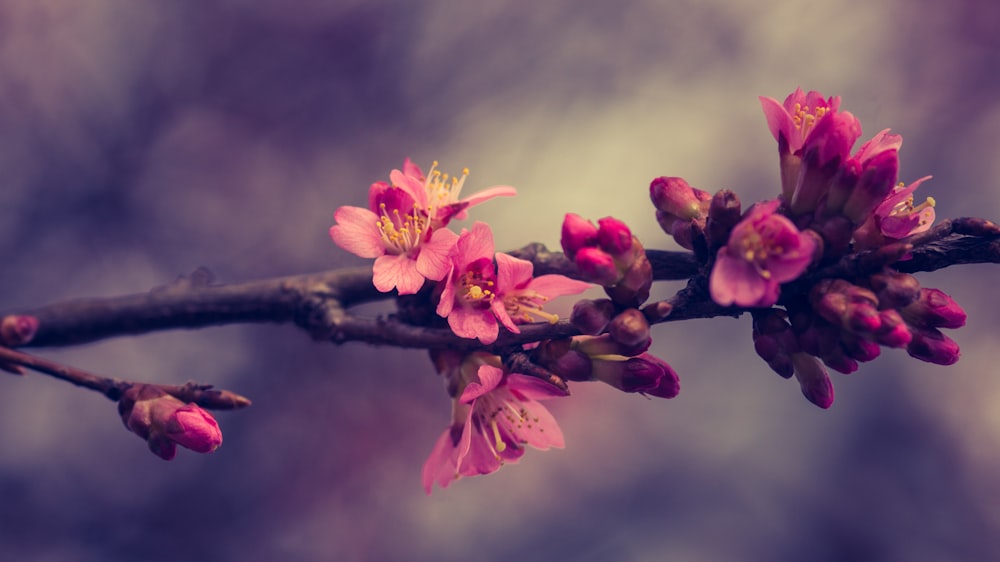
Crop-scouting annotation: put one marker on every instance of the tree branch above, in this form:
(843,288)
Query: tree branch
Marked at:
(319,302)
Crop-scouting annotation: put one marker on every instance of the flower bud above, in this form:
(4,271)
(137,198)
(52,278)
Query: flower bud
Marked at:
(875,182)
(933,308)
(630,328)
(614,237)
(645,374)
(592,316)
(929,344)
(577,233)
(165,422)
(559,357)
(813,380)
(681,230)
(674,196)
(724,213)
(597,266)
(632,289)
(894,331)
(17,330)
(894,289)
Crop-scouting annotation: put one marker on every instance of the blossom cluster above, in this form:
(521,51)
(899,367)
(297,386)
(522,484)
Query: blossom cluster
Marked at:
(832,203)
(774,259)
(476,290)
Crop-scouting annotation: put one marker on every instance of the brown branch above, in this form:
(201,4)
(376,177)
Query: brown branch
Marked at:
(113,389)
(319,303)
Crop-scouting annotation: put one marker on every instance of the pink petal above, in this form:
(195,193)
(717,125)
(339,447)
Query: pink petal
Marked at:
(735,281)
(411,169)
(397,271)
(440,466)
(554,285)
(490,377)
(778,119)
(482,197)
(447,302)
(412,186)
(473,245)
(536,427)
(433,261)
(468,323)
(512,273)
(357,232)
(481,457)
(533,388)
(500,311)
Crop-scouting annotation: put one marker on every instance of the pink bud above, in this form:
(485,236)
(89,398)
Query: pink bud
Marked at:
(194,428)
(577,233)
(676,197)
(597,266)
(934,309)
(165,421)
(614,236)
(813,380)
(932,346)
(646,374)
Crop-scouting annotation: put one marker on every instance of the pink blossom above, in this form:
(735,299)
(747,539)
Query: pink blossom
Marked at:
(400,236)
(813,136)
(478,294)
(493,419)
(437,193)
(793,121)
(899,218)
(764,251)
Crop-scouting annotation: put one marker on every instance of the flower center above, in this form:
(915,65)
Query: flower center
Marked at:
(401,233)
(477,284)
(805,117)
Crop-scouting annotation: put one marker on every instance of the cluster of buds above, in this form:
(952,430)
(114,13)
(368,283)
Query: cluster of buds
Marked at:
(609,255)
(843,323)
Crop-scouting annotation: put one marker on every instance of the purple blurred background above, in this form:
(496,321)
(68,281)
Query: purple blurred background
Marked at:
(141,140)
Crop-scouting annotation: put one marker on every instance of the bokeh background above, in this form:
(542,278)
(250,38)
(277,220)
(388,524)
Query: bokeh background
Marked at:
(141,140)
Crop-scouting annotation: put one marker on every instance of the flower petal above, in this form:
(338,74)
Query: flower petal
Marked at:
(397,271)
(468,323)
(735,281)
(533,388)
(440,465)
(357,232)
(554,285)
(433,261)
(490,377)
(512,273)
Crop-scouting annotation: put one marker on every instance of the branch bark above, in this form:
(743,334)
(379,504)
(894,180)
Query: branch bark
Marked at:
(319,303)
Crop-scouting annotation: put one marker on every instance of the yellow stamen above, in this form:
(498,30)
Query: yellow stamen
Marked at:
(500,445)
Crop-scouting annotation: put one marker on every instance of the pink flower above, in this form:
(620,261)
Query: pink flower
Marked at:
(811,132)
(477,294)
(492,421)
(899,218)
(764,250)
(165,422)
(793,121)
(399,234)
(437,194)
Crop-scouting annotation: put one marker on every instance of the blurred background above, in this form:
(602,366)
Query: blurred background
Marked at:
(141,140)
